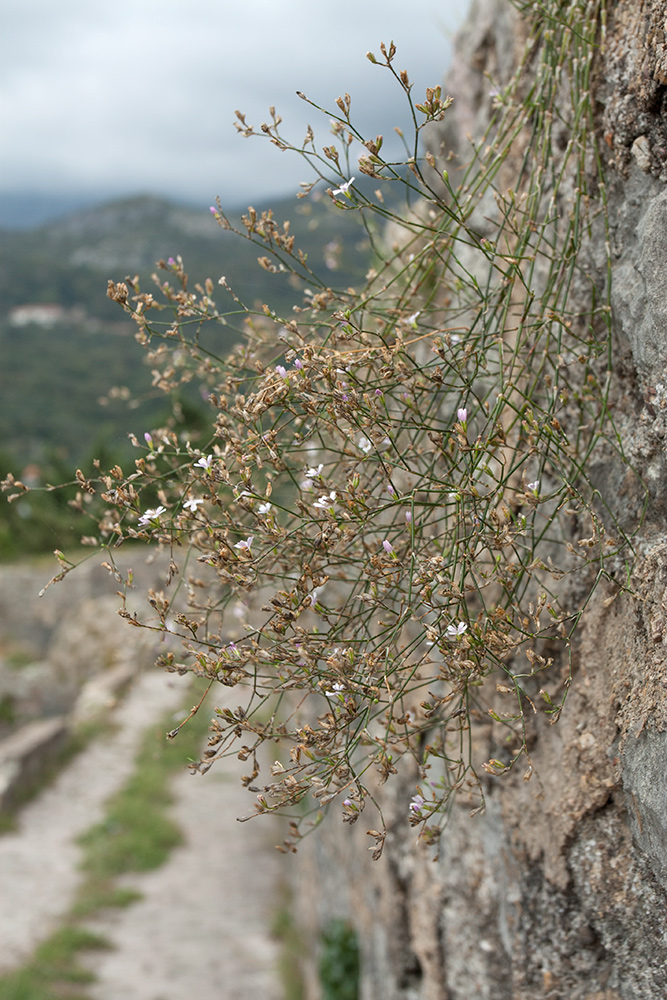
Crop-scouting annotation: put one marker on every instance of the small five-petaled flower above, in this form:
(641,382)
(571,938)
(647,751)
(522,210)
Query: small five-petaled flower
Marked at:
(191,504)
(336,689)
(245,544)
(151,516)
(417,804)
(454,631)
(205,462)
(325,502)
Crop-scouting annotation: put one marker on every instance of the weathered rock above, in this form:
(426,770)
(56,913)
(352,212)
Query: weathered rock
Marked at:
(560,889)
(25,755)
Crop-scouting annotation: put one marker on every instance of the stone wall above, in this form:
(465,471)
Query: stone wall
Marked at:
(558,889)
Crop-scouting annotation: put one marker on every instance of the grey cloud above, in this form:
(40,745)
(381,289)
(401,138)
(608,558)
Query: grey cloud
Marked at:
(136,96)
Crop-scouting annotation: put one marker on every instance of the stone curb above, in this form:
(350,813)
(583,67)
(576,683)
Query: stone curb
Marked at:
(27,753)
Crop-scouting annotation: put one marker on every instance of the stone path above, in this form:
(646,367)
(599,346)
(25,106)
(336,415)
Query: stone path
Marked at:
(202,928)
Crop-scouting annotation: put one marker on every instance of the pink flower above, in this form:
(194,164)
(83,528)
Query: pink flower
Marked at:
(205,462)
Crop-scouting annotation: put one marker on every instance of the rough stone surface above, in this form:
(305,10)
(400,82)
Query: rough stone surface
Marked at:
(23,754)
(560,889)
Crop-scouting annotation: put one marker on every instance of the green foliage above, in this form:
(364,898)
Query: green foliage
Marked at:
(339,964)
(54,973)
(73,392)
(52,378)
(292,947)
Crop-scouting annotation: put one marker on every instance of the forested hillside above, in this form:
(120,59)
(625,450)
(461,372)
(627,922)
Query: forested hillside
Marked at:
(54,369)
(73,379)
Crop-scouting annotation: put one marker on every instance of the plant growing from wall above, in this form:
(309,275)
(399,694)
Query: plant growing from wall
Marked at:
(394,498)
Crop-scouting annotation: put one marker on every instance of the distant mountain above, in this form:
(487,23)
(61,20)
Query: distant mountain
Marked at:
(64,344)
(21,210)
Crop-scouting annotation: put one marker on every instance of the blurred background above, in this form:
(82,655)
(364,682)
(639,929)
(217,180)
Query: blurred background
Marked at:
(104,100)
(117,137)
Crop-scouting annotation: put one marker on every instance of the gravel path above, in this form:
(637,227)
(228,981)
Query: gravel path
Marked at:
(202,928)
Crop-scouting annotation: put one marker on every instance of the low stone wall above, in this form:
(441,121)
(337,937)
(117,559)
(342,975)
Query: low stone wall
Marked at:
(83,656)
(32,751)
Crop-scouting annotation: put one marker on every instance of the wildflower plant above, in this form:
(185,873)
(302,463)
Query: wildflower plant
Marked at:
(396,483)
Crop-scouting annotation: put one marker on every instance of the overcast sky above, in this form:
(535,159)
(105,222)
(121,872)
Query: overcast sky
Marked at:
(100,99)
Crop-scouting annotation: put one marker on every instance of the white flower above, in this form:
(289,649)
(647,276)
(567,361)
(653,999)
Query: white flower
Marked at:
(365,445)
(412,320)
(344,188)
(264,508)
(282,371)
(388,547)
(205,462)
(191,504)
(325,502)
(335,690)
(533,487)
(150,516)
(462,414)
(417,804)
(245,543)
(314,473)
(454,631)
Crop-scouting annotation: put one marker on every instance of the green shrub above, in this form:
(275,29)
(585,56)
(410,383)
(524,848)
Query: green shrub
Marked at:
(339,962)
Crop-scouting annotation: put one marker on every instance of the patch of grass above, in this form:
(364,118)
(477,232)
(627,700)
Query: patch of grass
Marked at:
(101,894)
(290,957)
(54,968)
(18,658)
(7,709)
(339,962)
(135,835)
